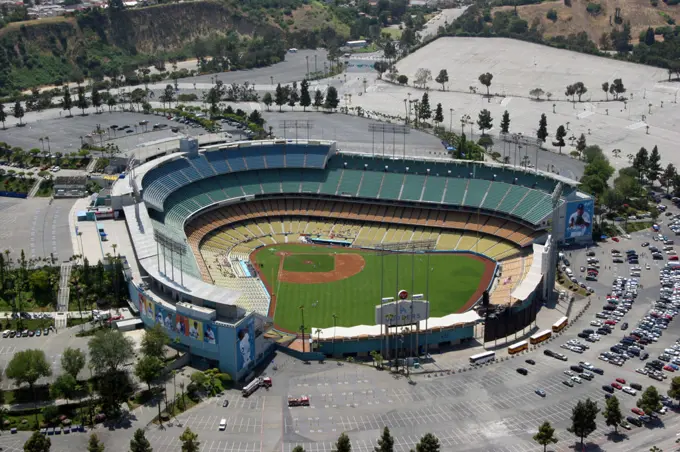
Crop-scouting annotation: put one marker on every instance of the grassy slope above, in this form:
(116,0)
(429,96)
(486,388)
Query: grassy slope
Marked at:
(314,16)
(575,19)
(453,279)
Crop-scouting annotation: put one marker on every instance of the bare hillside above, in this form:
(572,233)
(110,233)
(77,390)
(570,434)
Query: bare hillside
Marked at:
(640,13)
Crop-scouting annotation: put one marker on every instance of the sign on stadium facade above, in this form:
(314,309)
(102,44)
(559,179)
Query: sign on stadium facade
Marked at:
(403,312)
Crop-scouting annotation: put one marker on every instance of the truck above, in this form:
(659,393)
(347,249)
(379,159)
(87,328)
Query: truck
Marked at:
(256,384)
(298,401)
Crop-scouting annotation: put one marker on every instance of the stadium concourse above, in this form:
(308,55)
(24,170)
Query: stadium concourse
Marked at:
(195,216)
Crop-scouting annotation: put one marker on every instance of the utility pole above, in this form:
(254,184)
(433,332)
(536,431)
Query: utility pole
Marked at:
(335,318)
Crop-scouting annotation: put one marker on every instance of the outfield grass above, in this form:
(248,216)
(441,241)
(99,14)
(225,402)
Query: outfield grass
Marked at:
(309,263)
(453,278)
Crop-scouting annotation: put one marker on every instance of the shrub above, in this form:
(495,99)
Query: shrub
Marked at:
(594,8)
(552,15)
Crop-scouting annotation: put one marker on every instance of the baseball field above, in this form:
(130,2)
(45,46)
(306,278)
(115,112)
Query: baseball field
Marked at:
(347,282)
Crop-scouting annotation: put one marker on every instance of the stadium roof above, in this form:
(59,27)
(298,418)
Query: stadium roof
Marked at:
(368,331)
(533,278)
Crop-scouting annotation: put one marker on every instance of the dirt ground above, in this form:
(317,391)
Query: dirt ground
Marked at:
(346,265)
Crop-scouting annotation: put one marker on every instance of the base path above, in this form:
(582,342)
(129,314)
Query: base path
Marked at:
(346,265)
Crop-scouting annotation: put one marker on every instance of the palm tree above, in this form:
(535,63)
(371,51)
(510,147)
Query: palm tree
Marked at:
(389,318)
(318,333)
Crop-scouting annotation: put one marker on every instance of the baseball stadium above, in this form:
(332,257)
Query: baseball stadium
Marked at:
(262,245)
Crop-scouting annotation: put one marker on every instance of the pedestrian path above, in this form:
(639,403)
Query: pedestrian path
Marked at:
(64,289)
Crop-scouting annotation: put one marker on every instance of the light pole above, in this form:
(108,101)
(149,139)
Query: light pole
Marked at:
(335,318)
(450,120)
(307,59)
(302,327)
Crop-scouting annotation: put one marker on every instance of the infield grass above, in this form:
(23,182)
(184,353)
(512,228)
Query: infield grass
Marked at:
(453,278)
(309,263)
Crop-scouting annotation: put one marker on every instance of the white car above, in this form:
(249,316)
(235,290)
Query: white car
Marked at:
(569,372)
(576,380)
(642,371)
(595,323)
(586,365)
(629,390)
(595,337)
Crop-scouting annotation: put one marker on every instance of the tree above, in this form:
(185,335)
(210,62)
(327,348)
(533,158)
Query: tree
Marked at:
(641,161)
(612,413)
(485,79)
(537,93)
(96,98)
(318,99)
(332,100)
(580,89)
(421,77)
(3,115)
(386,442)
(583,417)
(653,166)
(111,102)
(148,369)
(425,112)
(38,443)
(189,441)
(484,121)
(605,88)
(27,366)
(617,87)
(154,341)
(402,79)
(18,111)
(545,435)
(109,350)
(442,78)
(649,36)
(666,178)
(581,144)
(674,391)
(139,443)
(82,102)
(505,122)
(542,132)
(570,91)
(73,361)
(64,387)
(428,443)
(280,97)
(560,133)
(439,114)
(267,100)
(66,101)
(298,448)
(168,95)
(305,98)
(94,445)
(343,444)
(650,401)
(293,96)
(381,67)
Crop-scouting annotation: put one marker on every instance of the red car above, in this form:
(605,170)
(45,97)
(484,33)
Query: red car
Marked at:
(610,322)
(616,385)
(673,257)
(621,380)
(638,411)
(668,368)
(616,239)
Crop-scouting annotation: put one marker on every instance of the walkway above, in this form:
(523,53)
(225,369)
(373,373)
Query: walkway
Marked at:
(64,289)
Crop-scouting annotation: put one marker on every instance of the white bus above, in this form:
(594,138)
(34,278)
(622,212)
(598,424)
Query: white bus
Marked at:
(482,357)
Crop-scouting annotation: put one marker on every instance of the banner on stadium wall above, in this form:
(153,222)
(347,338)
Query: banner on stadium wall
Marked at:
(579,216)
(146,307)
(245,344)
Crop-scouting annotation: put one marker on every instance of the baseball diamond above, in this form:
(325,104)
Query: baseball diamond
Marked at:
(450,281)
